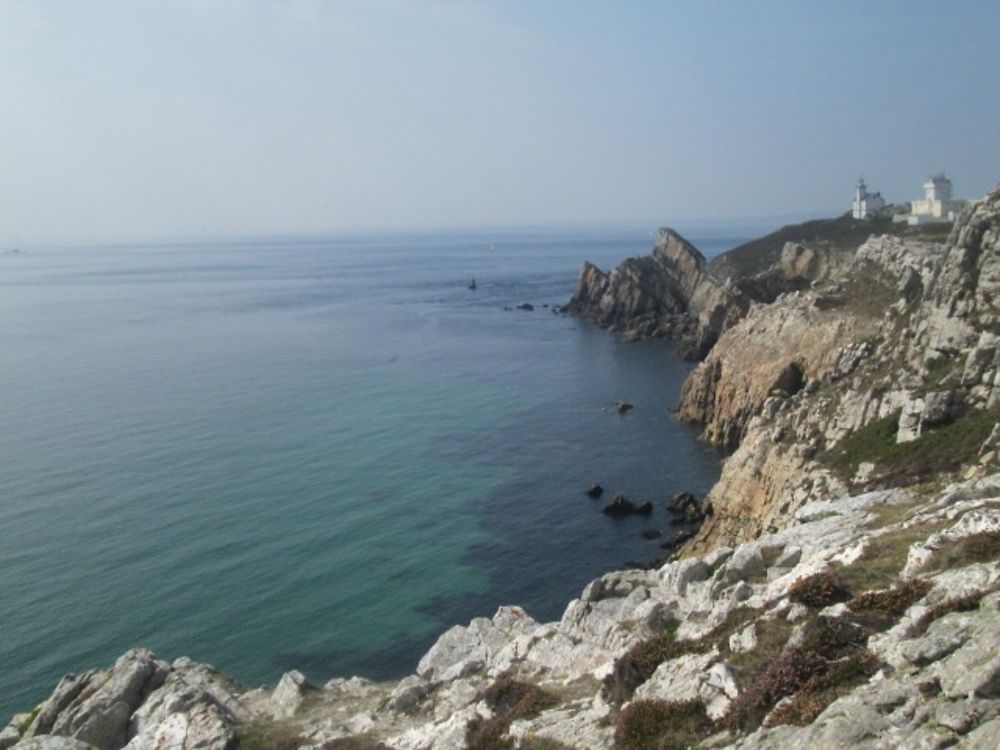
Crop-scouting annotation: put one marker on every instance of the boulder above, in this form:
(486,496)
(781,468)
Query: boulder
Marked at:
(622,506)
(290,693)
(595,491)
(96,708)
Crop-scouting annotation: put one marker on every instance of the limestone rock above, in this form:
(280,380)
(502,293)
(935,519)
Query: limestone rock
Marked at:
(290,693)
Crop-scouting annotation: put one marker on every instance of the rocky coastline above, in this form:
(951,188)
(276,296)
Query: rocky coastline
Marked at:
(844,590)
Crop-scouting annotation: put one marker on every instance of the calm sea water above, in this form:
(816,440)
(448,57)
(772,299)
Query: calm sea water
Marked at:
(312,454)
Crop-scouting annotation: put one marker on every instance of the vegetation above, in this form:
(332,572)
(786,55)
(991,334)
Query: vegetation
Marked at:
(881,562)
(940,450)
(843,232)
(976,548)
(819,691)
(965,603)
(509,699)
(894,601)
(269,735)
(661,725)
(818,590)
(542,743)
(830,648)
(640,662)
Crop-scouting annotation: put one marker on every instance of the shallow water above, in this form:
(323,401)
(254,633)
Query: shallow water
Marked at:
(315,454)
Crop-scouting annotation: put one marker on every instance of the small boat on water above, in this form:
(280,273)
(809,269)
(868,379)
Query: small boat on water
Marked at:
(472,284)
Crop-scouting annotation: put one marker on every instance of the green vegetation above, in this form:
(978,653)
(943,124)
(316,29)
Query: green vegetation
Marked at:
(879,565)
(844,233)
(662,725)
(509,699)
(543,743)
(29,719)
(269,735)
(938,451)
(976,548)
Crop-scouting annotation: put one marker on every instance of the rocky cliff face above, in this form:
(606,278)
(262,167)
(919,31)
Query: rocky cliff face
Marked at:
(904,334)
(667,294)
(673,293)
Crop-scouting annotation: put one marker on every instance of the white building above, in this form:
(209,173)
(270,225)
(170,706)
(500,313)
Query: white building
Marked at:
(866,205)
(937,204)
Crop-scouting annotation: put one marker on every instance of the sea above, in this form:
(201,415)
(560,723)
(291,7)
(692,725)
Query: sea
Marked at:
(316,452)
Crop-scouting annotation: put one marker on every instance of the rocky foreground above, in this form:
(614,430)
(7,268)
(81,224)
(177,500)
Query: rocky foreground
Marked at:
(844,592)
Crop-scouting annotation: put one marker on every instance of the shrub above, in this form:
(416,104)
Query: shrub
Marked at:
(818,590)
(659,725)
(509,699)
(637,664)
(894,601)
(820,691)
(781,677)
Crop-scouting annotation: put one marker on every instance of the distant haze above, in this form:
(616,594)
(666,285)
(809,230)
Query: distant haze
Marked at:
(138,119)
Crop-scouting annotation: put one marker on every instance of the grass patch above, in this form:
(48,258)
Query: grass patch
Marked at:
(879,566)
(358,742)
(772,636)
(29,719)
(269,735)
(975,548)
(509,699)
(662,725)
(938,451)
(543,743)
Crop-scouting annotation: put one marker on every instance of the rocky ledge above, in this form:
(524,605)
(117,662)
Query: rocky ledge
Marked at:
(870,622)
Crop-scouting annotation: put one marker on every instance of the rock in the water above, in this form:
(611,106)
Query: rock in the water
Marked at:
(623,406)
(526,306)
(652,534)
(622,506)
(595,491)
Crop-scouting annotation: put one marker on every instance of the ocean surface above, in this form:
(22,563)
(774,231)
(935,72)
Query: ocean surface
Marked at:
(314,453)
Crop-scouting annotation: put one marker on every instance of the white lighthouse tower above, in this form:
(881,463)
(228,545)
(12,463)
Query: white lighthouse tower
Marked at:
(866,205)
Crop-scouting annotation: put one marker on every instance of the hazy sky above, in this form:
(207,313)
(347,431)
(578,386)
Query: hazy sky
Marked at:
(157,118)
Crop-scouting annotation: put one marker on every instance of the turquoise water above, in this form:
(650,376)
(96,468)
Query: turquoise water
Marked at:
(315,454)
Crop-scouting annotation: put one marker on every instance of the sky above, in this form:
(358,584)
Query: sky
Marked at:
(145,119)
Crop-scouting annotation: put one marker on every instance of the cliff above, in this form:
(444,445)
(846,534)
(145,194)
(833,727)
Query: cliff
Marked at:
(844,592)
(674,293)
(901,341)
(667,294)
